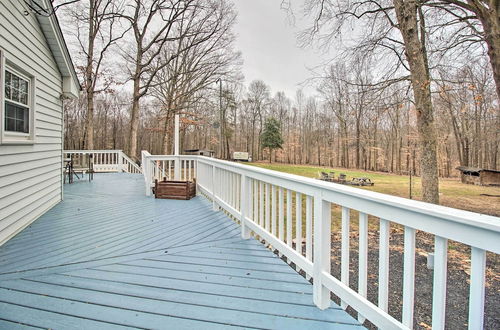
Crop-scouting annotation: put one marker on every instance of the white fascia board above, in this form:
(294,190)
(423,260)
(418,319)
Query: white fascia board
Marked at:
(57,44)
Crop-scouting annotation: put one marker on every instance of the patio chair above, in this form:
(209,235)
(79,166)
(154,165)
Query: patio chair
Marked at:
(324,176)
(83,164)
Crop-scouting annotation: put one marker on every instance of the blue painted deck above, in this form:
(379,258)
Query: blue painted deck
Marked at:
(109,257)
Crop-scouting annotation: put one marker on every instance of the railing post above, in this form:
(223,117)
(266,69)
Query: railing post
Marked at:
(196,165)
(147,173)
(119,154)
(244,202)
(177,168)
(215,207)
(322,247)
(177,161)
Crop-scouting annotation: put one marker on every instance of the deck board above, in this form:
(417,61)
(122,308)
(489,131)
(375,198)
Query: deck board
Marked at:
(110,257)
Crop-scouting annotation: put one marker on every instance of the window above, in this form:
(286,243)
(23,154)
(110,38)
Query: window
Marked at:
(16,104)
(17,111)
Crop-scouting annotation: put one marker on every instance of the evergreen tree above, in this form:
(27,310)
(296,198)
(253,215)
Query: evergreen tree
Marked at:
(271,136)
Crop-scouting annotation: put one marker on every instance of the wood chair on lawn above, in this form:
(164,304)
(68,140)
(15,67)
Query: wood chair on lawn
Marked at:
(324,176)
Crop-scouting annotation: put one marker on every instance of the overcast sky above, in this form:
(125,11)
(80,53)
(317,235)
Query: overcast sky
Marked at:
(269,46)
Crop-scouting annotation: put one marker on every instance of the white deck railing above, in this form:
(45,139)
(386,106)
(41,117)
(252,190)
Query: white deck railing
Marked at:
(107,160)
(270,204)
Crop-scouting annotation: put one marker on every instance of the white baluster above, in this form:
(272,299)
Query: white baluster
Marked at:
(322,248)
(477,285)
(363,258)
(262,220)
(309,225)
(268,207)
(298,223)
(344,276)
(281,215)
(383,267)
(289,217)
(439,285)
(273,209)
(408,276)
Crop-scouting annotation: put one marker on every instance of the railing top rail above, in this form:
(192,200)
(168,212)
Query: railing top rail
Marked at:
(90,151)
(171,157)
(490,222)
(422,207)
(131,162)
(336,193)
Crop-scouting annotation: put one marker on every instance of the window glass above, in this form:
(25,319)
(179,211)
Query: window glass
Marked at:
(16,88)
(17,112)
(16,118)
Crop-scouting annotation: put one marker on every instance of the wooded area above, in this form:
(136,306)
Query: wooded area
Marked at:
(412,89)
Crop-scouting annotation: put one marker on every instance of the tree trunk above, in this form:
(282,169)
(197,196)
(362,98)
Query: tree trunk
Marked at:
(406,12)
(89,82)
(490,20)
(134,115)
(166,136)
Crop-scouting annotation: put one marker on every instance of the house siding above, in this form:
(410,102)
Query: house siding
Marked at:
(31,175)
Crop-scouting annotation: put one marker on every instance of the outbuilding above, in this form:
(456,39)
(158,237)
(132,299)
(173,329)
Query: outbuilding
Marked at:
(479,176)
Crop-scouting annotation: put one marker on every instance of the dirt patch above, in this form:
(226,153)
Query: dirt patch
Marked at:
(457,300)
(457,285)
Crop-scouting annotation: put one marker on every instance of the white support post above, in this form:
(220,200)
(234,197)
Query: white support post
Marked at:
(322,247)
(197,175)
(215,207)
(177,162)
(147,171)
(244,203)
(119,154)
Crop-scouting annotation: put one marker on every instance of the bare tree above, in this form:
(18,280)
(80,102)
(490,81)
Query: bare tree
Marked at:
(153,23)
(204,54)
(258,99)
(488,13)
(97,30)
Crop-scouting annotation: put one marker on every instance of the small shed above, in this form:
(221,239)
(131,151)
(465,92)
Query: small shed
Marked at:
(200,152)
(479,176)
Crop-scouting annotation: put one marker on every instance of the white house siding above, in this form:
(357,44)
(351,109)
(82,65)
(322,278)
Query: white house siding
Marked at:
(31,175)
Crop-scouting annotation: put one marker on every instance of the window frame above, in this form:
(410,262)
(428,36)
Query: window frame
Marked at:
(10,137)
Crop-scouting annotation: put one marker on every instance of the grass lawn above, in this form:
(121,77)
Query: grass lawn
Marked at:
(453,193)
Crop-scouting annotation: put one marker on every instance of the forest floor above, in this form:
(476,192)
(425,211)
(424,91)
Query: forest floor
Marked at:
(453,193)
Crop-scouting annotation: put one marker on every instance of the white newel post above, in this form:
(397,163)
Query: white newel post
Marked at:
(177,161)
(244,202)
(196,165)
(322,247)
(147,174)
(119,154)
(215,207)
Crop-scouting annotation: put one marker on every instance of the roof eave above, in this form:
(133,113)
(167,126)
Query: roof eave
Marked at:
(51,29)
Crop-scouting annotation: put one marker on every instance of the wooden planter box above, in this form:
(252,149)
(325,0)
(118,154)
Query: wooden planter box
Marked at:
(175,189)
